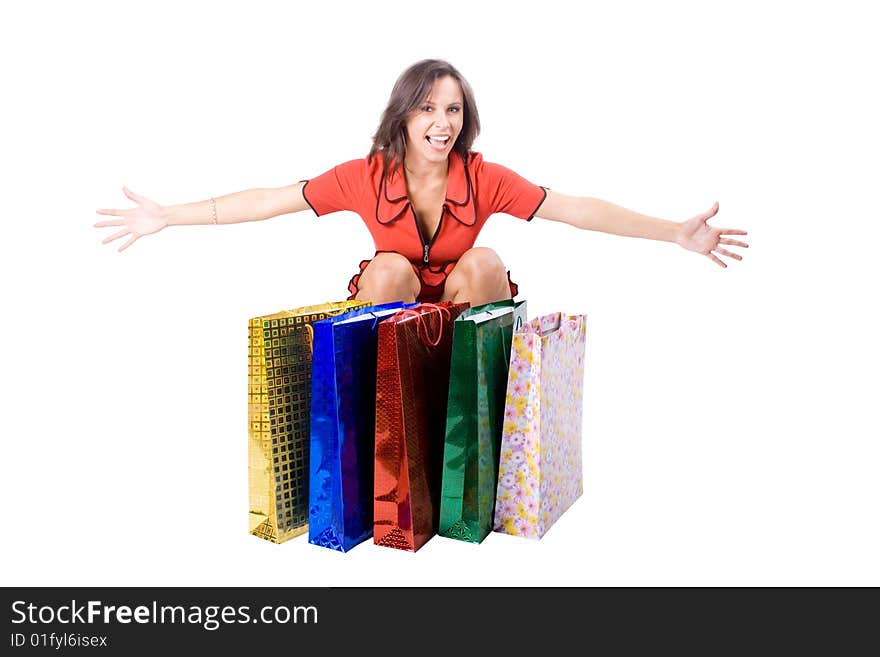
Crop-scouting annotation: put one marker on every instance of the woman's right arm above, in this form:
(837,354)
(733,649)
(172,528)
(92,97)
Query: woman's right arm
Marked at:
(249,205)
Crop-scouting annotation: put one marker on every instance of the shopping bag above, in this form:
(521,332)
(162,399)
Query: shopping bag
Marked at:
(412,384)
(342,426)
(279,387)
(540,470)
(481,342)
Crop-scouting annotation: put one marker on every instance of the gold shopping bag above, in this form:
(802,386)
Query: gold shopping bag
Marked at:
(279,395)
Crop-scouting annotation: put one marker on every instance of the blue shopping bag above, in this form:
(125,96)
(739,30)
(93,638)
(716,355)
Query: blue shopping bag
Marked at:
(342,429)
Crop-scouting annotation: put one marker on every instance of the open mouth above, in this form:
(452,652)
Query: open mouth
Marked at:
(438,142)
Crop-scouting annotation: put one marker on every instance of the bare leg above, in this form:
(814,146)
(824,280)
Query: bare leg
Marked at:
(479,277)
(389,277)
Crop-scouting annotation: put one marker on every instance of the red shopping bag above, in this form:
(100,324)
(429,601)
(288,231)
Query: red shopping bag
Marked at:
(412,385)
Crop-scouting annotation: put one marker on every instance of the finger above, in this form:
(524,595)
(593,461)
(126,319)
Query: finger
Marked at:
(104,224)
(117,213)
(725,252)
(140,200)
(705,216)
(716,259)
(116,236)
(732,231)
(128,243)
(733,242)
(713,211)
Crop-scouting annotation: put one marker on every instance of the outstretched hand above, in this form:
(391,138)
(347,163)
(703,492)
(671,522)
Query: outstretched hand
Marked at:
(696,235)
(148,217)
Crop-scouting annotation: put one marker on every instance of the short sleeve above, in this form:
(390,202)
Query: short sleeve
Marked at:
(510,193)
(340,188)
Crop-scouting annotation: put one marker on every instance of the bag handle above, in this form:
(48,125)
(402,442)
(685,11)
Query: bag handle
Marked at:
(549,324)
(555,323)
(567,324)
(420,323)
(572,322)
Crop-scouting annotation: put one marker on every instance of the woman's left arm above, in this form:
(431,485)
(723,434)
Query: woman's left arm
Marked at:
(594,214)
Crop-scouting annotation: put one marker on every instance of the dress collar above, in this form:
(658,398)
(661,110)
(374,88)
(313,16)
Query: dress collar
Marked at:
(393,202)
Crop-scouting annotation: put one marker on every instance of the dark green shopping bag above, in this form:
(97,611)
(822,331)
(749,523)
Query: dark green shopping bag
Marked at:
(481,342)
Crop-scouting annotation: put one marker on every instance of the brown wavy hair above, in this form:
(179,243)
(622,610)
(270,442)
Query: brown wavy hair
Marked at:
(412,89)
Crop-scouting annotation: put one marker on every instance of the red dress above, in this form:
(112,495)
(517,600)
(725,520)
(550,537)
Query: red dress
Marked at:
(475,190)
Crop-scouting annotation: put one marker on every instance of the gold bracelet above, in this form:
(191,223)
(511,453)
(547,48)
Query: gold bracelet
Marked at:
(213,211)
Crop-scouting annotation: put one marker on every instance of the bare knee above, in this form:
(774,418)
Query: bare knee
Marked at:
(389,277)
(479,277)
(482,267)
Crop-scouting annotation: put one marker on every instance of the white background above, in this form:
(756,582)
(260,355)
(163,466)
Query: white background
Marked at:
(729,436)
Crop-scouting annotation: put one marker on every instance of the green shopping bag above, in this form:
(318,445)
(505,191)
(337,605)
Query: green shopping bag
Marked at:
(481,341)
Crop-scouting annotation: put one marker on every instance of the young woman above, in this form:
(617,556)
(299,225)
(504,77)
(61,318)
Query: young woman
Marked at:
(424,196)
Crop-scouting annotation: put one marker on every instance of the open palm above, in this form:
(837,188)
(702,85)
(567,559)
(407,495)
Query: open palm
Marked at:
(696,235)
(148,217)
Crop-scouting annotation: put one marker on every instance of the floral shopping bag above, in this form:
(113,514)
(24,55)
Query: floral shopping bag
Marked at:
(540,472)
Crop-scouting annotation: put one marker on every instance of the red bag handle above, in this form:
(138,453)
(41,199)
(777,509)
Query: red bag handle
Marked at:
(420,323)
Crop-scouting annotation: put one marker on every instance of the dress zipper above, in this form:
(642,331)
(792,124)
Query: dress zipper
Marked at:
(427,246)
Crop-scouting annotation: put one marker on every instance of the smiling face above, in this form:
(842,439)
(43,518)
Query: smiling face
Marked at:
(433,127)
